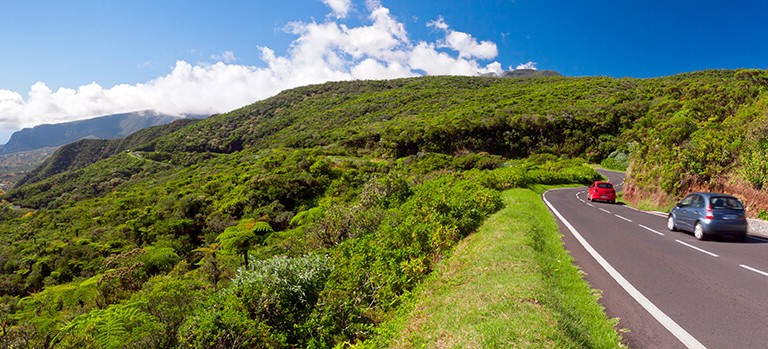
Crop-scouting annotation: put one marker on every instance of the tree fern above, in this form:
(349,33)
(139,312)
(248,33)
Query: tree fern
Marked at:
(240,238)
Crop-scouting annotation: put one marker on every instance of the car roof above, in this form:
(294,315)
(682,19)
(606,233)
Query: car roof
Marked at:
(711,194)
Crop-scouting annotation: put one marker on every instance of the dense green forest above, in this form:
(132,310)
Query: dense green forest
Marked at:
(302,220)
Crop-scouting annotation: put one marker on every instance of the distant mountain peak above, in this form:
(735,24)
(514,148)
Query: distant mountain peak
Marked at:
(102,127)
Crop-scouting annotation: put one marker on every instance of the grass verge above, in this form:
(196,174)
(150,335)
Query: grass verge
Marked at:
(510,285)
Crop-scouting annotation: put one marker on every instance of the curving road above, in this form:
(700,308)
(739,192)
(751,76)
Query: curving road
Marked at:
(668,289)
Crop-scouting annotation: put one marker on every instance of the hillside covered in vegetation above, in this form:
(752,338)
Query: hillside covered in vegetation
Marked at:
(302,220)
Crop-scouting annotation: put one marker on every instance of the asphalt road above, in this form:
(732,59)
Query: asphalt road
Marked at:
(668,289)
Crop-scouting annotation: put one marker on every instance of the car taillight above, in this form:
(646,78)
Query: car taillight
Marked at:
(709,215)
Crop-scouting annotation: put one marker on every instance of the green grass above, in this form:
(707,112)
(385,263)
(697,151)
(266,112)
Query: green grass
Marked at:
(510,285)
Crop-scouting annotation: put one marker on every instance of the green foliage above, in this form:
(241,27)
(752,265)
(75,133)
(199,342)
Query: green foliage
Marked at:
(695,134)
(171,299)
(118,326)
(159,260)
(43,312)
(267,305)
(754,160)
(536,170)
(241,238)
(401,253)
(616,160)
(754,153)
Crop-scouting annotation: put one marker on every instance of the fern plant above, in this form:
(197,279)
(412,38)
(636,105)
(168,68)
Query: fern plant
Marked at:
(243,236)
(117,326)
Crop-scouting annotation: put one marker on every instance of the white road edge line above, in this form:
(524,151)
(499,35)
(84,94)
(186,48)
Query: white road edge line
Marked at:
(681,334)
(753,269)
(698,249)
(651,230)
(624,218)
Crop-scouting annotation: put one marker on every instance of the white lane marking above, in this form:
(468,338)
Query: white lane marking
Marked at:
(698,249)
(604,210)
(590,205)
(681,334)
(624,218)
(651,230)
(655,213)
(753,269)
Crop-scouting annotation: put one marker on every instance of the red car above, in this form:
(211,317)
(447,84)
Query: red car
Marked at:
(602,191)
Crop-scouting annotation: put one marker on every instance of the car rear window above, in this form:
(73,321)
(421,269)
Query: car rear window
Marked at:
(604,185)
(726,202)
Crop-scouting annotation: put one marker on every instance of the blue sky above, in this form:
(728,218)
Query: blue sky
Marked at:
(75,59)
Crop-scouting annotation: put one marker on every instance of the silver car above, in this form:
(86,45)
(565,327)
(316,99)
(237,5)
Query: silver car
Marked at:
(709,214)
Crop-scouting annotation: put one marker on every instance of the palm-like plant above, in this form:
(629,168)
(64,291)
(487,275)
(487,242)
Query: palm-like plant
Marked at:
(243,236)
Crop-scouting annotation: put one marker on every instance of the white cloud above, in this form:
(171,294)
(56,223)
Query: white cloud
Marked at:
(327,51)
(371,69)
(439,23)
(465,44)
(226,57)
(340,8)
(529,65)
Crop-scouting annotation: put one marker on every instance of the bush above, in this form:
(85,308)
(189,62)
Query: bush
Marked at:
(617,160)
(267,305)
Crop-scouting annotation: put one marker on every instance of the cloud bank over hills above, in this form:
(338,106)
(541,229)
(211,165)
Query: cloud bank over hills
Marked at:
(322,51)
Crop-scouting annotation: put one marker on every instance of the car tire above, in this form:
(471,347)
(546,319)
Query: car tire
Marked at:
(671,223)
(698,232)
(741,238)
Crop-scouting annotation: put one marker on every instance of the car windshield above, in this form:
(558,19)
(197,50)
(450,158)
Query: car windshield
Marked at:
(726,202)
(604,185)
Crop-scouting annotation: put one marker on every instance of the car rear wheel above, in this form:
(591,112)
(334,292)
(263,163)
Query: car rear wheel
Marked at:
(698,231)
(671,223)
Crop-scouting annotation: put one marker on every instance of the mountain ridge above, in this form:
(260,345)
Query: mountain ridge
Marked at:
(111,126)
(85,152)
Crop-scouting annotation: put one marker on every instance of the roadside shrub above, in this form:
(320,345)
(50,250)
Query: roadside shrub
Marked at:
(501,178)
(373,271)
(522,175)
(616,160)
(480,161)
(754,161)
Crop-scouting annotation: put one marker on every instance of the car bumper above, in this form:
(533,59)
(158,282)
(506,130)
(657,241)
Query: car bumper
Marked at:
(726,228)
(604,197)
